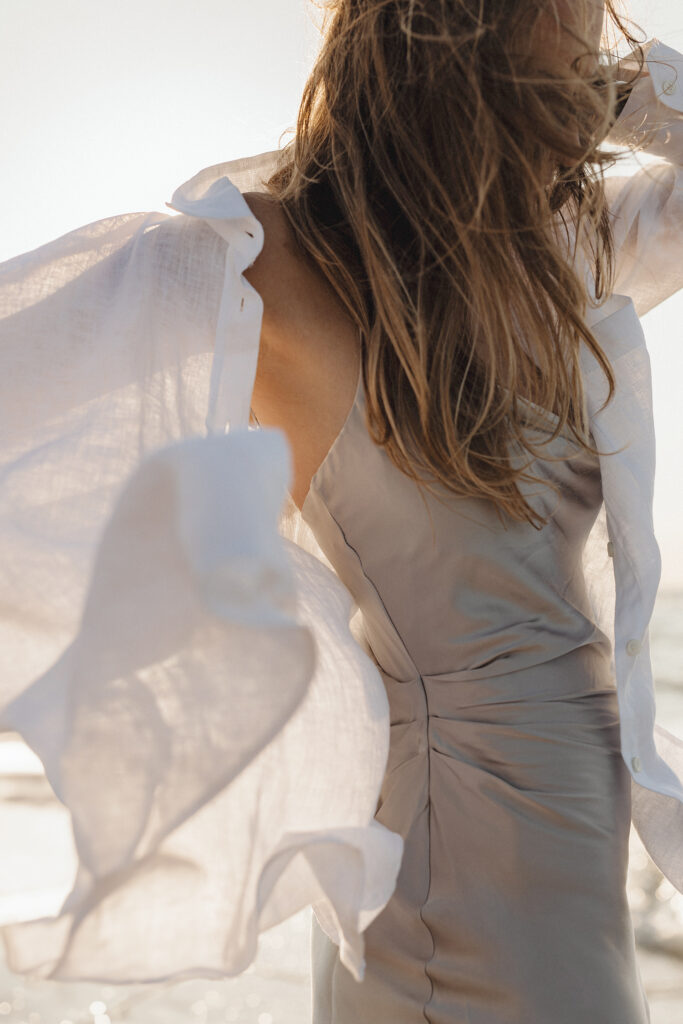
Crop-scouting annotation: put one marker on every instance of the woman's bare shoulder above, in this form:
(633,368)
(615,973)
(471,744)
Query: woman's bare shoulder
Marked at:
(304,321)
(279,271)
(310,352)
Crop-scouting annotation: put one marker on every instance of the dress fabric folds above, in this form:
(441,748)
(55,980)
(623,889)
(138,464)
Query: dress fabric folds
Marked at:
(240,706)
(505,777)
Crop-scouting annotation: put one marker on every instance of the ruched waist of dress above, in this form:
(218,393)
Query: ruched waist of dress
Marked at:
(574,674)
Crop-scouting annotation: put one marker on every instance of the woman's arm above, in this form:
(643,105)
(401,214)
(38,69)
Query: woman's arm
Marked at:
(647,207)
(158,638)
(106,343)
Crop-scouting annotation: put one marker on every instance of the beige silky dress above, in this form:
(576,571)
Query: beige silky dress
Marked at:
(505,777)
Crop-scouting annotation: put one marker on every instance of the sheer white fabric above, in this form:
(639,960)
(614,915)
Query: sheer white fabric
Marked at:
(170,645)
(647,216)
(200,706)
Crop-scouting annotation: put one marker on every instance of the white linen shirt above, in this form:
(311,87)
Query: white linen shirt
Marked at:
(149,592)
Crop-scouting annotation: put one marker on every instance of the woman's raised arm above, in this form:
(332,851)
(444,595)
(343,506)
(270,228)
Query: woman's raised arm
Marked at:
(187,677)
(647,207)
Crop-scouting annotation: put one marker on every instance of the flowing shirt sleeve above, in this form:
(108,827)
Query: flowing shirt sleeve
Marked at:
(647,213)
(647,207)
(186,675)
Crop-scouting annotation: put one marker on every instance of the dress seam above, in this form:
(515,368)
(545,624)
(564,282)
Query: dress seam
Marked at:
(418,676)
(429,861)
(417,673)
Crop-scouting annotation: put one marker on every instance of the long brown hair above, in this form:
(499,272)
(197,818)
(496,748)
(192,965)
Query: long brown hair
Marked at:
(443,178)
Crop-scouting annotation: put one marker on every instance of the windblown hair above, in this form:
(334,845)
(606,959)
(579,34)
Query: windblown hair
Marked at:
(444,179)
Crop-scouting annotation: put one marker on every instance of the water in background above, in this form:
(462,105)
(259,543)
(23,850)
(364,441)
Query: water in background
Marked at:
(666,644)
(657,908)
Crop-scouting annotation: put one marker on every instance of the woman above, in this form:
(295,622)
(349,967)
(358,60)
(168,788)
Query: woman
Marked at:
(441,330)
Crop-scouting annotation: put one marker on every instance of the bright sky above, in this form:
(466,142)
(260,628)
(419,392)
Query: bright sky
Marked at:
(108,107)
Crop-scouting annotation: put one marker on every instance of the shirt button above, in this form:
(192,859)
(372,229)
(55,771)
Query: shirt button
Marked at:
(610,549)
(669,86)
(636,764)
(633,648)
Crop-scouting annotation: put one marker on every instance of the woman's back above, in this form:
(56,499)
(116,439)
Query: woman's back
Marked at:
(504,777)
(466,594)
(309,354)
